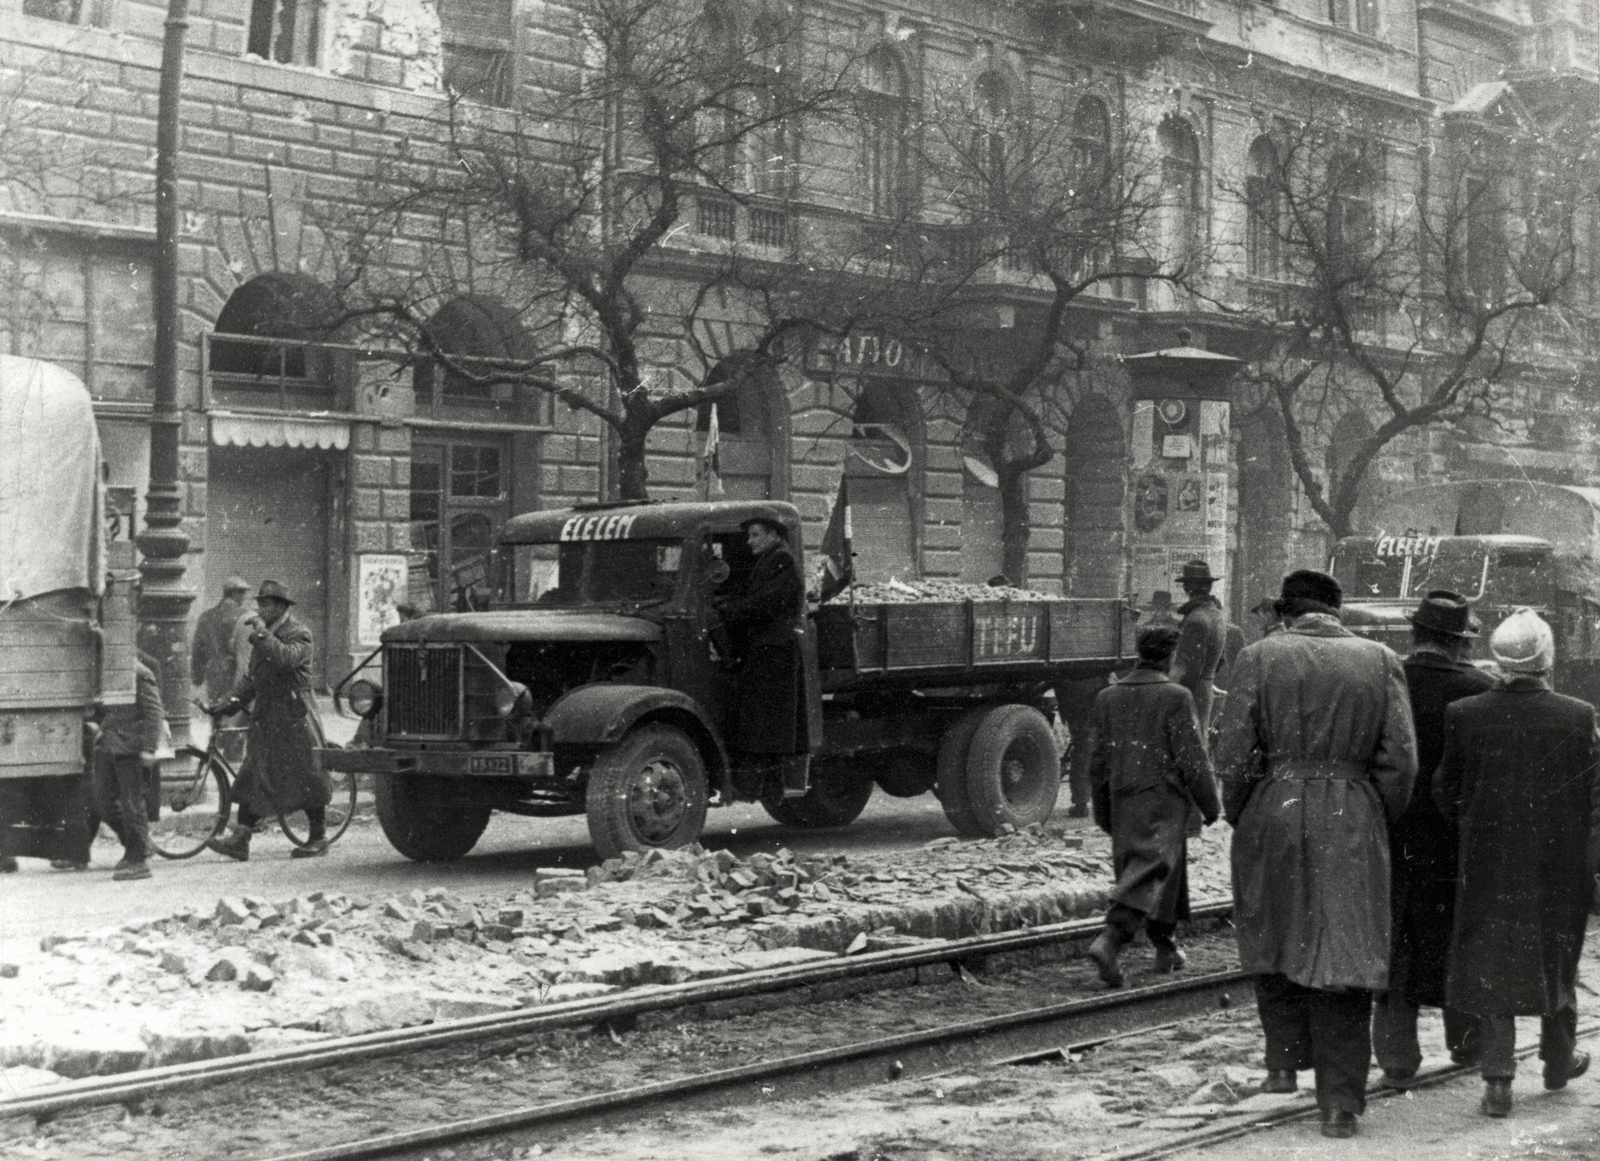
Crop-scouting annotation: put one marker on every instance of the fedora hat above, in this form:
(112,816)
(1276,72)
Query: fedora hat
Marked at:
(1307,584)
(1196,570)
(1445,612)
(771,523)
(275,591)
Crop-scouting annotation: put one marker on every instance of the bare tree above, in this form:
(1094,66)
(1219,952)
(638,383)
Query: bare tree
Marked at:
(1411,298)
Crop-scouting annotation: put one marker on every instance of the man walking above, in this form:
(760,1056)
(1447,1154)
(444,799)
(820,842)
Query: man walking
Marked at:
(211,657)
(1422,849)
(1315,749)
(1519,776)
(129,738)
(1202,639)
(1148,773)
(280,772)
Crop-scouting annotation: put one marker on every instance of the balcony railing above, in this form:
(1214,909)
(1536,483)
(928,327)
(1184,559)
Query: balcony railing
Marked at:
(726,220)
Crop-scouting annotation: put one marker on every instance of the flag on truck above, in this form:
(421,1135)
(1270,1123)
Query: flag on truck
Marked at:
(710,473)
(838,560)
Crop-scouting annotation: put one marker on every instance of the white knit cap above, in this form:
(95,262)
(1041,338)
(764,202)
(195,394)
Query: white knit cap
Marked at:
(1523,643)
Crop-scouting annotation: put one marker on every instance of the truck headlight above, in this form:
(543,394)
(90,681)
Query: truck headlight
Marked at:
(364,697)
(512,699)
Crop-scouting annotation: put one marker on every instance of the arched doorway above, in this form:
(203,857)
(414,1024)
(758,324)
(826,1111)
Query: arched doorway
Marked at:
(1266,515)
(753,433)
(1095,455)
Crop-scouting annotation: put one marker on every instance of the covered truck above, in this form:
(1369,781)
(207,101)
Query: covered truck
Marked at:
(597,685)
(1502,544)
(66,618)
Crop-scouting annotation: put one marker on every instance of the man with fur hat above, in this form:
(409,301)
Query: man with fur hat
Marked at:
(1422,848)
(1202,639)
(1315,752)
(280,773)
(1148,772)
(1520,777)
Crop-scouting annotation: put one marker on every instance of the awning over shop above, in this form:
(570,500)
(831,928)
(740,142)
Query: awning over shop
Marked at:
(229,429)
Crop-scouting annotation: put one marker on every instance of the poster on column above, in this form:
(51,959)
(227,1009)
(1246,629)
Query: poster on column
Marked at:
(1179,495)
(380,590)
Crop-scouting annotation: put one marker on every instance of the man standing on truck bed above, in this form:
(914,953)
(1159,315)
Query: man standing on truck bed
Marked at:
(280,772)
(767,727)
(1202,639)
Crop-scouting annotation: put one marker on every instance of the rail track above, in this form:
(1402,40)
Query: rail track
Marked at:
(1012,1037)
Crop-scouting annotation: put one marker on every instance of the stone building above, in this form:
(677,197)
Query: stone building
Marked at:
(349,473)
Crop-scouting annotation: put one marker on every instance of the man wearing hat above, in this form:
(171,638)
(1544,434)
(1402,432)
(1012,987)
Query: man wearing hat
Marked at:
(1315,753)
(768,728)
(1520,777)
(211,658)
(280,772)
(1422,848)
(1202,639)
(1148,771)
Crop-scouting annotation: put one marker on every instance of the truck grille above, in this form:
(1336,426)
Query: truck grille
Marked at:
(422,690)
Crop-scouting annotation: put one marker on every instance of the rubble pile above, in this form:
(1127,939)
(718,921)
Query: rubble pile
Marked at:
(898,592)
(254,973)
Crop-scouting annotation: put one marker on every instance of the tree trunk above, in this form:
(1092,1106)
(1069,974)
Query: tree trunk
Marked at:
(1014,528)
(633,476)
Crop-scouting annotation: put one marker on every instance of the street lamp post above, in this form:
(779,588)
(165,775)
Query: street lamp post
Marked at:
(163,599)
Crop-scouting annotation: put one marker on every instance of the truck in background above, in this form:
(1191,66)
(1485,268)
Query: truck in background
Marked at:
(1502,544)
(67,625)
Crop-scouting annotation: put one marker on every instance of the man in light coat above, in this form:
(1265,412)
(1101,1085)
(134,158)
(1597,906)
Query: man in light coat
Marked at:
(1315,752)
(212,661)
(1148,772)
(280,772)
(1202,639)
(1520,776)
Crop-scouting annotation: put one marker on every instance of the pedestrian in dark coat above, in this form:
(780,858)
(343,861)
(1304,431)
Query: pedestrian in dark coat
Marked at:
(130,735)
(212,662)
(1148,772)
(1423,849)
(1315,752)
(280,773)
(1202,639)
(1520,776)
(766,617)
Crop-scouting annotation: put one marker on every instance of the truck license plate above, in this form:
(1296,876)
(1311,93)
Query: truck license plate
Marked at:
(489,764)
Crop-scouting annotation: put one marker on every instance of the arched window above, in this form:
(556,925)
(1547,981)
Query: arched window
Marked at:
(1263,246)
(885,122)
(292,310)
(1181,191)
(472,327)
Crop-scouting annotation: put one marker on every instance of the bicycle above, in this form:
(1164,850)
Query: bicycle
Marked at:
(212,768)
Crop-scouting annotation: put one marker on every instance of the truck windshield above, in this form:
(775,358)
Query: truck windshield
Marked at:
(1399,568)
(590,573)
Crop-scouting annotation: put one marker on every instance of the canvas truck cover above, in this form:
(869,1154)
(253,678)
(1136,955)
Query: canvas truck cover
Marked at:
(1568,517)
(52,530)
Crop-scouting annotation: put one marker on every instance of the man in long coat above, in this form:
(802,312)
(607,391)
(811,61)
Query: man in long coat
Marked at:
(1315,752)
(1202,639)
(1520,775)
(768,724)
(212,662)
(1422,848)
(280,773)
(1148,772)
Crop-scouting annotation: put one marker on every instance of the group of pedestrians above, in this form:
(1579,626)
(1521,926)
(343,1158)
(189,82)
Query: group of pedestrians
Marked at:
(1405,834)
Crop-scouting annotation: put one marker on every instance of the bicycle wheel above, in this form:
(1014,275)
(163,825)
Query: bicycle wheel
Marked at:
(192,819)
(341,809)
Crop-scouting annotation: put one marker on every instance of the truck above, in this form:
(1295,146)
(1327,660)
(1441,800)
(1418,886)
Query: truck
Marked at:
(598,683)
(67,624)
(1503,545)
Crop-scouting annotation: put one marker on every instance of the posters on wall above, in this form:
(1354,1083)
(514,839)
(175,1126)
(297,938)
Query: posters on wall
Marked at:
(381,587)
(1179,494)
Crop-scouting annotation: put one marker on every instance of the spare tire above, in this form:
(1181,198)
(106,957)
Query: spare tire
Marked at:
(1013,771)
(951,777)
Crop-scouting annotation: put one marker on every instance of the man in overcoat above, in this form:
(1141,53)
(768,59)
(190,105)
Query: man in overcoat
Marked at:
(1148,772)
(1315,753)
(1520,776)
(769,727)
(212,662)
(280,773)
(1202,639)
(1422,848)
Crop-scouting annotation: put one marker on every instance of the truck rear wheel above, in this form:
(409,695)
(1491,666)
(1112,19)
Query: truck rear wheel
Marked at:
(648,790)
(837,797)
(1013,769)
(421,822)
(951,778)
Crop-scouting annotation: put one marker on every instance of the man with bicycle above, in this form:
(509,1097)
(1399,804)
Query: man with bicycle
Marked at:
(280,772)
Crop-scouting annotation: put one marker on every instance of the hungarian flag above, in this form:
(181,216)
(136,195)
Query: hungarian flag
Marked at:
(838,560)
(710,472)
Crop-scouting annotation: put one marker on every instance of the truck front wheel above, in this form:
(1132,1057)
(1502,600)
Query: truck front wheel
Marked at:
(648,790)
(421,822)
(836,798)
(1013,769)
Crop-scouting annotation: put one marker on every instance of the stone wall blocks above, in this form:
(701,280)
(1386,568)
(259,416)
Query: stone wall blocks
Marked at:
(942,510)
(559,449)
(394,439)
(937,562)
(1047,488)
(402,475)
(396,504)
(580,481)
(370,471)
(192,463)
(400,537)
(195,429)
(366,504)
(940,536)
(310,157)
(265,101)
(1047,539)
(194,497)
(936,483)
(369,536)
